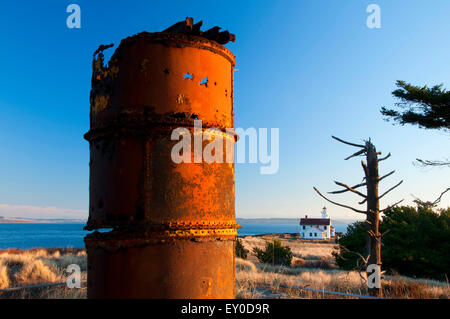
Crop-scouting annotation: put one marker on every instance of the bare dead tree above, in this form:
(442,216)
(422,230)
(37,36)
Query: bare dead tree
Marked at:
(429,204)
(372,198)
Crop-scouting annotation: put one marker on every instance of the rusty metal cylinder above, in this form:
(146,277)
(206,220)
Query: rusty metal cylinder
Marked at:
(173,224)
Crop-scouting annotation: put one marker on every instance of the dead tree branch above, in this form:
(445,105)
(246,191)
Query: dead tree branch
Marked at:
(383,158)
(356,154)
(366,170)
(346,190)
(390,189)
(440,197)
(387,231)
(426,163)
(390,206)
(348,143)
(371,233)
(342,205)
(349,188)
(428,203)
(359,268)
(388,174)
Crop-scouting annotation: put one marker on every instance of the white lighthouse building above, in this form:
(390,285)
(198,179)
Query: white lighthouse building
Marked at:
(316,228)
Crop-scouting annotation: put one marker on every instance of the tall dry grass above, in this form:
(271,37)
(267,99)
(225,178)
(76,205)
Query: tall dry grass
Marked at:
(38,266)
(300,249)
(253,279)
(314,267)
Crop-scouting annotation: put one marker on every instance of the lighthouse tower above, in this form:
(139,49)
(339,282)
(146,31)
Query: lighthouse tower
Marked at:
(324,213)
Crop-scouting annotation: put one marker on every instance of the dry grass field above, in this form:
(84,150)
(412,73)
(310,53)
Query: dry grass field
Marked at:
(312,267)
(37,266)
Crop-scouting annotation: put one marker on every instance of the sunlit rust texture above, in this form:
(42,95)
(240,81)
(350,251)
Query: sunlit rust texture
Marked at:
(173,225)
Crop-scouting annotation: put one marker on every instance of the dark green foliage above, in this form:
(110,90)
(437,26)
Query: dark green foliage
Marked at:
(353,240)
(426,107)
(417,244)
(241,252)
(275,253)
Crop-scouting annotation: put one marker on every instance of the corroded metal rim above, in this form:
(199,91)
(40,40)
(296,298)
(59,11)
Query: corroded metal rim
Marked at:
(171,225)
(168,230)
(180,40)
(118,239)
(144,127)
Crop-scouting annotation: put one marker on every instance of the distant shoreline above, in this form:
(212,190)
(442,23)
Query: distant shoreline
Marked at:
(21,220)
(283,236)
(295,221)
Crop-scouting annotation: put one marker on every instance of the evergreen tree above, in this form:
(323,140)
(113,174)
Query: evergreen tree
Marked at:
(416,242)
(425,107)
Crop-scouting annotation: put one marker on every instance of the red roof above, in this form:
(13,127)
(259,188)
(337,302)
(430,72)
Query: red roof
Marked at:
(315,221)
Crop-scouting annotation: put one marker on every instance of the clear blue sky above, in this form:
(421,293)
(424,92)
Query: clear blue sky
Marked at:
(311,68)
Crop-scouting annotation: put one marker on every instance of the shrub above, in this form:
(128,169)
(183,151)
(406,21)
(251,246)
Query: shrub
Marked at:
(275,253)
(245,266)
(353,241)
(241,252)
(417,243)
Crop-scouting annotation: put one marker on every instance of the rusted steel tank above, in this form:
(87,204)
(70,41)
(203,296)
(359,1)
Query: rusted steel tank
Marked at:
(173,225)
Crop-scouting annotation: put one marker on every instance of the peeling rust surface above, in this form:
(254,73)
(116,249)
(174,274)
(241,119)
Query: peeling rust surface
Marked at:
(176,269)
(174,225)
(120,239)
(188,27)
(154,80)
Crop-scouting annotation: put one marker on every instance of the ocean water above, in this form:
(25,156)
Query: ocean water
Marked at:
(26,236)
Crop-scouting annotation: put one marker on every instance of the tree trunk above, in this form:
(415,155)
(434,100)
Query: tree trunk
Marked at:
(372,179)
(373,215)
